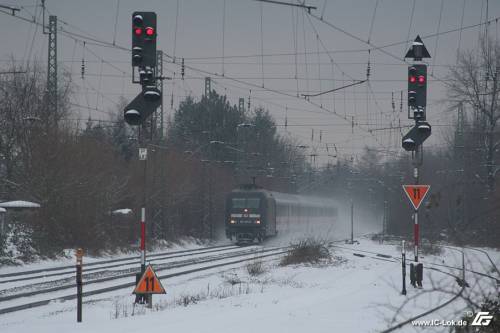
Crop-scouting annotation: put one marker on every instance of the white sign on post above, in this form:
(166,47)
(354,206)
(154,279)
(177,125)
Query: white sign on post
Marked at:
(143,154)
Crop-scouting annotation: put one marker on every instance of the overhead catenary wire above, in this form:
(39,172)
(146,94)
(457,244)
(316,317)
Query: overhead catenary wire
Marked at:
(116,20)
(175,30)
(262,41)
(437,36)
(460,31)
(295,42)
(372,20)
(91,87)
(412,12)
(320,105)
(91,40)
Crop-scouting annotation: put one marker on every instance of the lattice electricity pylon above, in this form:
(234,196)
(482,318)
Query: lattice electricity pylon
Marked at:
(208,87)
(52,67)
(159,84)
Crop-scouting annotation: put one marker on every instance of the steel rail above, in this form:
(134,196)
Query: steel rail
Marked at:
(131,284)
(51,269)
(132,273)
(157,257)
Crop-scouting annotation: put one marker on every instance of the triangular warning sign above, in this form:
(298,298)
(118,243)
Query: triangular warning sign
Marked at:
(416,193)
(417,50)
(149,283)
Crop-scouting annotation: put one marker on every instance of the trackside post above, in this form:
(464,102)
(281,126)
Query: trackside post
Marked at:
(403,264)
(79,284)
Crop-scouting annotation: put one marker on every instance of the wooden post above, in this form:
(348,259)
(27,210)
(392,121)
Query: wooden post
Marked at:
(79,284)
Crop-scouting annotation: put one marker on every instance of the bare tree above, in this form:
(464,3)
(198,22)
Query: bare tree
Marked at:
(475,82)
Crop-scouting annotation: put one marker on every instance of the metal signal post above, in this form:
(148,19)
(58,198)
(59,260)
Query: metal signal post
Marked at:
(413,140)
(145,60)
(143,155)
(403,264)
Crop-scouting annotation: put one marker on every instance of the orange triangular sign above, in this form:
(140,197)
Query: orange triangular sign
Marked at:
(149,283)
(416,193)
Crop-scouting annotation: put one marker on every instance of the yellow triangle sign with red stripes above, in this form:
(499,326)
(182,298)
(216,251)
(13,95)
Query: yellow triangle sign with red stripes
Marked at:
(416,193)
(149,283)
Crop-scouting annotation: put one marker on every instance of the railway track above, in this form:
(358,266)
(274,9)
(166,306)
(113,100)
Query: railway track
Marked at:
(104,275)
(209,260)
(248,254)
(450,300)
(387,256)
(103,264)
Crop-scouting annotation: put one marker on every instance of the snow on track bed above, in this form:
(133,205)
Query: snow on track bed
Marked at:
(358,295)
(30,274)
(19,302)
(64,278)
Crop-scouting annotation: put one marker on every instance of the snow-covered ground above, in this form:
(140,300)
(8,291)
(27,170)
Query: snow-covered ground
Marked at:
(69,259)
(351,294)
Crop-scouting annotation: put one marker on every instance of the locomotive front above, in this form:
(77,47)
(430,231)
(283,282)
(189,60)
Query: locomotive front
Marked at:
(245,216)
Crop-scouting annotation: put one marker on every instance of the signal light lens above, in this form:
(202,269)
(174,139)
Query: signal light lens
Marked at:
(138,19)
(258,221)
(232,221)
(412,79)
(150,31)
(151,93)
(138,31)
(133,117)
(409,144)
(421,79)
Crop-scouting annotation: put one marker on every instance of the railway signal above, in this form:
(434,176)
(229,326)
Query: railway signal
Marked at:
(144,39)
(416,136)
(142,106)
(144,57)
(417,90)
(413,140)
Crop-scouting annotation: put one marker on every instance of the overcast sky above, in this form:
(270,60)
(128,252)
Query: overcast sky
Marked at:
(268,52)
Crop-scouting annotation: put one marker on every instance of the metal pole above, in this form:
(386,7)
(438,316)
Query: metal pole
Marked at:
(415,215)
(463,266)
(141,298)
(143,239)
(352,222)
(143,213)
(416,234)
(403,264)
(384,226)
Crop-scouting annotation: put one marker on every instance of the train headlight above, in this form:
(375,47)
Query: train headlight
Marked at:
(258,221)
(232,221)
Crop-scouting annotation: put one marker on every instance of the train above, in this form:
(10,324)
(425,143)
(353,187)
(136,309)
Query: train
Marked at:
(254,214)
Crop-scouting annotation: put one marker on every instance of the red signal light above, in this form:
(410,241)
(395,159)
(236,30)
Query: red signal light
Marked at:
(150,31)
(413,79)
(421,79)
(138,31)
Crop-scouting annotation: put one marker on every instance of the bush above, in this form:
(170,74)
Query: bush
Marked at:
(426,248)
(490,305)
(255,268)
(232,278)
(306,251)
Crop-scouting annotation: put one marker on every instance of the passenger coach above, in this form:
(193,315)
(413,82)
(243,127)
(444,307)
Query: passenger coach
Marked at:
(253,213)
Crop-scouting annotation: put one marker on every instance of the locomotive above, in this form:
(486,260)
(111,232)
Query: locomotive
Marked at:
(254,214)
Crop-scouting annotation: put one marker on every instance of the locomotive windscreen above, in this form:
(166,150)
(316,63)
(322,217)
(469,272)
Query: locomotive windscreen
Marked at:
(245,203)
